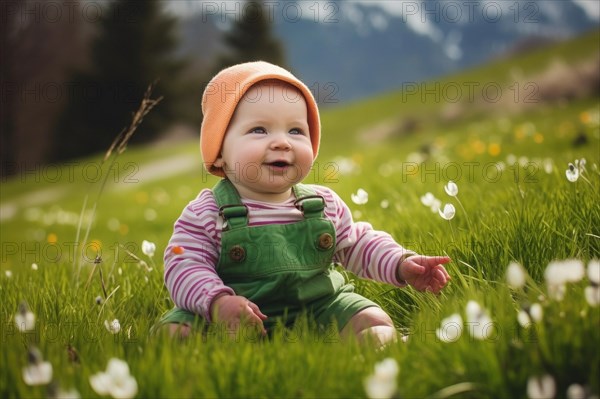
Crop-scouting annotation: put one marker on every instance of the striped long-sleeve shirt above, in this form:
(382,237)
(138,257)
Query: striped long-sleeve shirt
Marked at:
(191,277)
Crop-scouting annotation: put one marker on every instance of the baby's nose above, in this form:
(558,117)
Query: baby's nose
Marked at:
(280,142)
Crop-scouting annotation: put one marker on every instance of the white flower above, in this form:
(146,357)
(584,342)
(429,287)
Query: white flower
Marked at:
(448,212)
(361,197)
(559,273)
(24,319)
(427,199)
(34,266)
(59,393)
(384,204)
(113,327)
(572,173)
(574,270)
(536,312)
(451,189)
(593,271)
(8,273)
(524,319)
(557,292)
(345,166)
(451,328)
(382,383)
(37,372)
(116,381)
(515,275)
(548,165)
(541,387)
(148,248)
(592,295)
(575,391)
(481,324)
(435,205)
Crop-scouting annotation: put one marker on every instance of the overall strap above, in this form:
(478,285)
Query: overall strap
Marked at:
(231,208)
(308,201)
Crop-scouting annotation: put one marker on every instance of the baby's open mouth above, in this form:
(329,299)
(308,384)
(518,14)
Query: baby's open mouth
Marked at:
(278,164)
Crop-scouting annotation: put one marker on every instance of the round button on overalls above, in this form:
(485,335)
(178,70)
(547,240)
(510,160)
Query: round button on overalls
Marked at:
(237,253)
(325,241)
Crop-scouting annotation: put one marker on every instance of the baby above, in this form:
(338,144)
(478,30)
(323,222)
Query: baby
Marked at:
(260,247)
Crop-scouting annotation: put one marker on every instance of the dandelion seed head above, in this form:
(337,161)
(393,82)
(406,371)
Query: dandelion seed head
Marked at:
(34,266)
(384,204)
(98,300)
(113,327)
(8,273)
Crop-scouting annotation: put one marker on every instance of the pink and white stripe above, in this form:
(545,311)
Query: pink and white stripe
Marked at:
(191,277)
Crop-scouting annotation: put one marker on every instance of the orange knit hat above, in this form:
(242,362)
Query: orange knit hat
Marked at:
(222,95)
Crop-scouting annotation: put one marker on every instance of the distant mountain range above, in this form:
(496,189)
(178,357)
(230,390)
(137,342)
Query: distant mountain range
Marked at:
(346,50)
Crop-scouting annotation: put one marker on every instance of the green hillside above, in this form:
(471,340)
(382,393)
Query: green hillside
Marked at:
(509,160)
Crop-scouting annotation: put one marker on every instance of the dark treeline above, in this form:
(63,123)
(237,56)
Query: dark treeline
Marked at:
(73,72)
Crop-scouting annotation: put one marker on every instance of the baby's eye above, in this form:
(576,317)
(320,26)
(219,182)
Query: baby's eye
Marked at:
(258,130)
(297,131)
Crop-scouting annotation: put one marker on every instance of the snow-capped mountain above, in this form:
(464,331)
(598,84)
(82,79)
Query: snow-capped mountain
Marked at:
(351,49)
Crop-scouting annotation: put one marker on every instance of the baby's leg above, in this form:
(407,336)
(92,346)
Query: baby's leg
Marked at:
(179,330)
(371,323)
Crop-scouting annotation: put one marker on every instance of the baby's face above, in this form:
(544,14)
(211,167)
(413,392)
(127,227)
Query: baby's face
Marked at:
(267,146)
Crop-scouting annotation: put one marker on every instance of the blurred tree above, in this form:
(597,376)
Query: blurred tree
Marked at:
(250,38)
(38,40)
(134,47)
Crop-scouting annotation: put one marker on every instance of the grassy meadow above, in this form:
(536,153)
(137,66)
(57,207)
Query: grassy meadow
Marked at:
(72,235)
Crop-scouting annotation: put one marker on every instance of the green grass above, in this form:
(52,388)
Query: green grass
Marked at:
(521,212)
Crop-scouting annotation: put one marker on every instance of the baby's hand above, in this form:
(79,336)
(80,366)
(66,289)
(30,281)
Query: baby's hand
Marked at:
(235,310)
(425,273)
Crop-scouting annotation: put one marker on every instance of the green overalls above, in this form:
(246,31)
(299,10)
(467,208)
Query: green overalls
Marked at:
(285,269)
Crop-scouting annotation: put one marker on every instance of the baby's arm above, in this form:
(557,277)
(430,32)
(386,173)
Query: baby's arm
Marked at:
(190,276)
(376,255)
